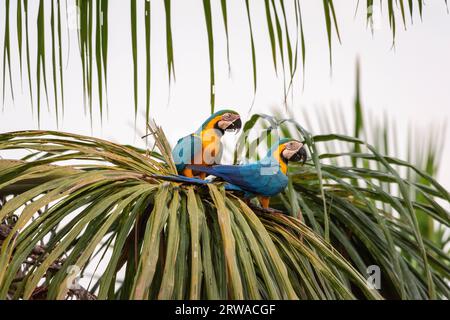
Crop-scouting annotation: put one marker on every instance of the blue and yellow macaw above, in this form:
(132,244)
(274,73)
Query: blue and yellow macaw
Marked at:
(264,178)
(203,147)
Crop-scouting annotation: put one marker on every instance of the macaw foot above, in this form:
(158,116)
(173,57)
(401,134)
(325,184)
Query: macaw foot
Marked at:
(270,210)
(188,173)
(264,201)
(202,175)
(261,209)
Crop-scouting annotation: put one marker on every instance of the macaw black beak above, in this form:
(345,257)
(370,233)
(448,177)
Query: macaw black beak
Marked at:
(300,156)
(236,125)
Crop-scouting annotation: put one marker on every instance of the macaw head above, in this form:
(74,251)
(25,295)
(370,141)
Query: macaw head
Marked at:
(289,150)
(223,120)
(294,151)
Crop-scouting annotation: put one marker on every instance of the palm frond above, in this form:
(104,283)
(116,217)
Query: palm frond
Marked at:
(209,28)
(169,241)
(93,33)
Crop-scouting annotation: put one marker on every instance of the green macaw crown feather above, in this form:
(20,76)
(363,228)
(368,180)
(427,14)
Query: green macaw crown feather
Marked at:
(214,115)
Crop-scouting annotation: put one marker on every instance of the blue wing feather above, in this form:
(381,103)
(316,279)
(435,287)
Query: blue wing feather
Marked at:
(256,178)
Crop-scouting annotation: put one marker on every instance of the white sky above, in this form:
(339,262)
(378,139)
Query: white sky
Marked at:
(410,83)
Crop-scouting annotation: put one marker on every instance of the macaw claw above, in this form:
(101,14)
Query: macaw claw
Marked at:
(263,210)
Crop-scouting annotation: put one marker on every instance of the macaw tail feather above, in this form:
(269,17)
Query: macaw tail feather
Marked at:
(232,187)
(181,179)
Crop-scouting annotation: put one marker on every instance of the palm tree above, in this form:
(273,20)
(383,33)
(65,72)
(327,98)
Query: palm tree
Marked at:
(355,222)
(85,202)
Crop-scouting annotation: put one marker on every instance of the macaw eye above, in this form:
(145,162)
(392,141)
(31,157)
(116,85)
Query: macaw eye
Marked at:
(226,116)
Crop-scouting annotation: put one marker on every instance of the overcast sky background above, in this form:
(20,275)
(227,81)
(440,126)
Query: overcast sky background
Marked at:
(410,83)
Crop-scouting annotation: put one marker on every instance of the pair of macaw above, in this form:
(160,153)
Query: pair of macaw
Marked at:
(199,153)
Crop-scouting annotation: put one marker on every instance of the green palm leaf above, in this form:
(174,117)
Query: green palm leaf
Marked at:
(209,28)
(194,242)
